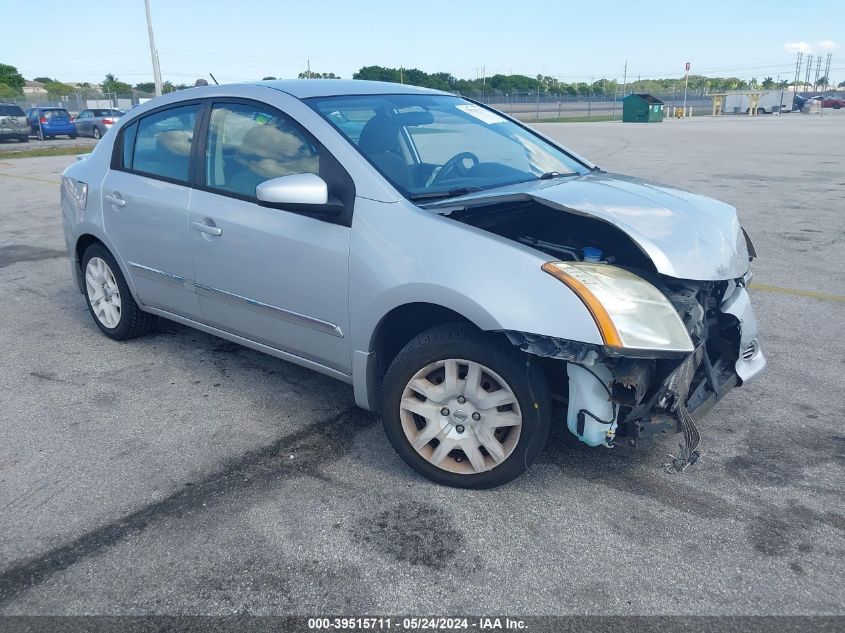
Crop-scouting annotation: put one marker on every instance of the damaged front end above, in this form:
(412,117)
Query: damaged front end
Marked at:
(681,344)
(611,394)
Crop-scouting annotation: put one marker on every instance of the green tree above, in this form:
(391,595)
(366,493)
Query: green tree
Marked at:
(7,92)
(146,86)
(10,76)
(113,85)
(768,83)
(58,89)
(44,80)
(270,78)
(310,74)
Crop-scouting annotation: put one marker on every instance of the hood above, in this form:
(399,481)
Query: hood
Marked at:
(686,235)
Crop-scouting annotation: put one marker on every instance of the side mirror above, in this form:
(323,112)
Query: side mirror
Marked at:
(295,190)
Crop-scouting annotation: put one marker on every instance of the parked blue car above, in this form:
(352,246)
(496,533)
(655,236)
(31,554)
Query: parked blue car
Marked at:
(49,122)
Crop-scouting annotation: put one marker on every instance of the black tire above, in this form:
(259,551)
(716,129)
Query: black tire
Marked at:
(836,106)
(72,136)
(40,134)
(23,139)
(133,321)
(518,370)
(96,134)
(761,110)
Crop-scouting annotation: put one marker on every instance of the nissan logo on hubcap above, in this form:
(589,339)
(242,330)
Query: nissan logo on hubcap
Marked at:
(460,416)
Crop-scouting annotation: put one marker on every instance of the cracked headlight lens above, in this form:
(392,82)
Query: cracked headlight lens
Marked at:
(631,314)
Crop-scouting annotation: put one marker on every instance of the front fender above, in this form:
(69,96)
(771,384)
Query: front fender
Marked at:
(400,254)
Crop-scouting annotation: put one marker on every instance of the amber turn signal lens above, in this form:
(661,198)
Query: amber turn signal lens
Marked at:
(609,333)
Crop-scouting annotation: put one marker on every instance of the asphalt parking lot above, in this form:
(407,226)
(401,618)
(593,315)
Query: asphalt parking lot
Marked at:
(180,473)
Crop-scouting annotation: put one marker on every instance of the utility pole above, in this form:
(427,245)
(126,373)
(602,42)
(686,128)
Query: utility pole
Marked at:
(153,51)
(809,64)
(308,68)
(625,80)
(686,84)
(797,74)
(818,70)
(827,71)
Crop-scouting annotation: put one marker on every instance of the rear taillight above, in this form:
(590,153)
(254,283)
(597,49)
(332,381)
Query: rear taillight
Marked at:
(108,122)
(44,119)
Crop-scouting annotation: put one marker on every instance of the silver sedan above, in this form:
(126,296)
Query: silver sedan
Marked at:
(461,271)
(96,122)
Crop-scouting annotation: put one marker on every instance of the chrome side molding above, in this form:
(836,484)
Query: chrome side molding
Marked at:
(280,313)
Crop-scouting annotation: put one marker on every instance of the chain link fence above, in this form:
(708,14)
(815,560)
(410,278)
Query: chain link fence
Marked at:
(80,100)
(533,106)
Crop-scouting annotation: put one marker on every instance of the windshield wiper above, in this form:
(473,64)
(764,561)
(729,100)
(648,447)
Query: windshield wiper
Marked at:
(452,193)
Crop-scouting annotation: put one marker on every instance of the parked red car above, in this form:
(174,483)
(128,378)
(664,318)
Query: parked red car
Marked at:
(829,102)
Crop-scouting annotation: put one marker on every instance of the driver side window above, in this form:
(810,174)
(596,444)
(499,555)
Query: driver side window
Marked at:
(248,145)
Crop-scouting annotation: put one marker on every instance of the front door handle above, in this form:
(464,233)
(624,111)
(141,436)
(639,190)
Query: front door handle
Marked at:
(202,227)
(116,199)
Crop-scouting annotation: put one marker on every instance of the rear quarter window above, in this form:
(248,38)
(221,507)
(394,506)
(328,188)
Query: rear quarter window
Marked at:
(10,110)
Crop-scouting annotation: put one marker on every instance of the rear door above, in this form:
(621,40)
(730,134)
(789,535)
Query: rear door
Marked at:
(83,122)
(146,196)
(271,275)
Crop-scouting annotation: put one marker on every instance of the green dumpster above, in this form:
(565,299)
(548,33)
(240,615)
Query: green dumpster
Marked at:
(641,109)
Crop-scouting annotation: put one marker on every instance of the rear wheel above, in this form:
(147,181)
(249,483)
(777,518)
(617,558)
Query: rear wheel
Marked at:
(96,132)
(40,134)
(465,408)
(23,139)
(836,106)
(109,300)
(761,110)
(72,136)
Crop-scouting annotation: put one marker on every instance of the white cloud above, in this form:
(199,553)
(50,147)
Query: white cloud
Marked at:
(827,45)
(798,47)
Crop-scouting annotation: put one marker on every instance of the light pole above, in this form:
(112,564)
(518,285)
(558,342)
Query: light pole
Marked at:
(686,83)
(153,51)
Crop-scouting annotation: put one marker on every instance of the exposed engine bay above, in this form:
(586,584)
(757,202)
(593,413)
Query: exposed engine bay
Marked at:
(609,395)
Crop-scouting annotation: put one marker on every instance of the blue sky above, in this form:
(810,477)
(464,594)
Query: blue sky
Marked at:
(575,41)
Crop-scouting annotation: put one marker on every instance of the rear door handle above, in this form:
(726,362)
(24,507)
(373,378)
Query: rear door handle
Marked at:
(202,227)
(116,199)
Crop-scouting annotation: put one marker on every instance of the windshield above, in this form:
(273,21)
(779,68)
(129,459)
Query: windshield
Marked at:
(432,146)
(55,113)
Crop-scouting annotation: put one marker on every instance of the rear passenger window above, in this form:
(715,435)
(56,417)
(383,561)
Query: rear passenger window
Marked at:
(248,145)
(163,143)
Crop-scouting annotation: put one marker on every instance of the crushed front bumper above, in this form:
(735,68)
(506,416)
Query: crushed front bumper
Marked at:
(709,379)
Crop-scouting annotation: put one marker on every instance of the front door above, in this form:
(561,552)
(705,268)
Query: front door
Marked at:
(145,208)
(273,276)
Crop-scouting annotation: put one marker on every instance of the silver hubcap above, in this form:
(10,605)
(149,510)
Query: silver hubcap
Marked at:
(103,292)
(460,416)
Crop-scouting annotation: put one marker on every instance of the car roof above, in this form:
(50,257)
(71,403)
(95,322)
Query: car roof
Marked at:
(305,88)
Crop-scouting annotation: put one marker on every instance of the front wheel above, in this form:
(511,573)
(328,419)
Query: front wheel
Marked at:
(72,137)
(24,139)
(464,408)
(109,300)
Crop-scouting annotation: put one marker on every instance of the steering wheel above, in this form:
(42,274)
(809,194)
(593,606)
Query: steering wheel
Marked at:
(454,163)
